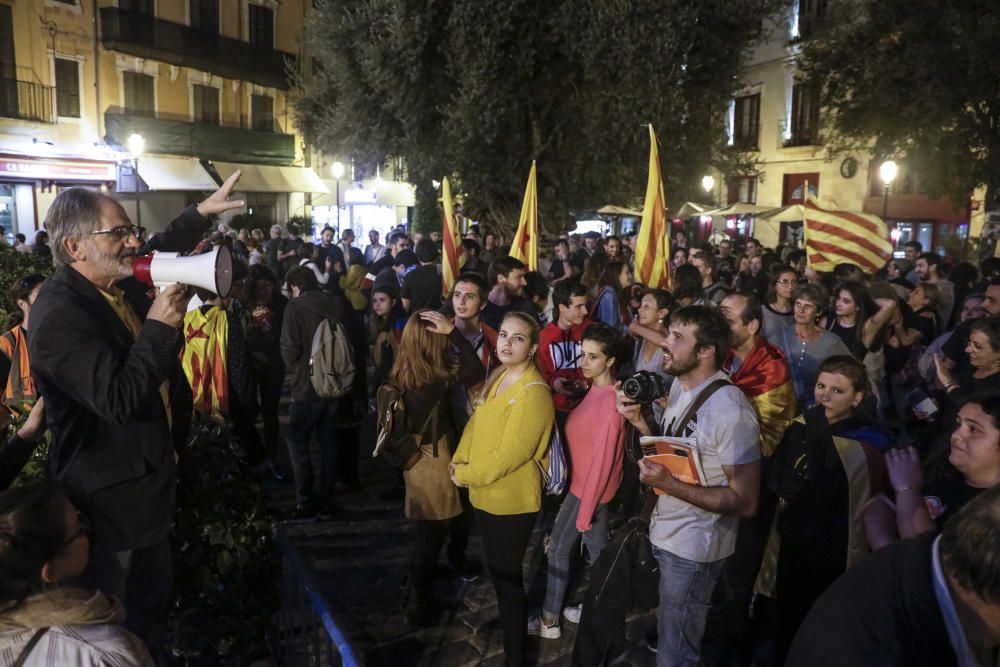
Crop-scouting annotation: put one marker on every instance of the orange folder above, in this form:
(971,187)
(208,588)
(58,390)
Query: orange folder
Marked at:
(678,455)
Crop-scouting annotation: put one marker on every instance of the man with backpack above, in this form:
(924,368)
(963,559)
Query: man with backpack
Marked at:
(314,405)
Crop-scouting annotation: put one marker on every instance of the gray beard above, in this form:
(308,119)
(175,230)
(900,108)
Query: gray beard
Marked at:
(110,265)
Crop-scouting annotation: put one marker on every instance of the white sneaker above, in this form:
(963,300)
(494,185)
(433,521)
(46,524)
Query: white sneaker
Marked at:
(537,628)
(572,614)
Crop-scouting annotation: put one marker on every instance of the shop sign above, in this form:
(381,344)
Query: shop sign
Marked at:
(52,171)
(360,196)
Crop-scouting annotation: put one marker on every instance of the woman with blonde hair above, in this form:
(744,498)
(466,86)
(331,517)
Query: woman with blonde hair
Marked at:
(425,371)
(503,450)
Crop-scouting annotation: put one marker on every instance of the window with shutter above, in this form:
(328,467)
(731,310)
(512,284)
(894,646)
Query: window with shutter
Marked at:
(139,97)
(206,104)
(67,87)
(262,113)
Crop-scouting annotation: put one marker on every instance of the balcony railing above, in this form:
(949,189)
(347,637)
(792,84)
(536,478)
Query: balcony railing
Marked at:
(790,137)
(149,37)
(27,101)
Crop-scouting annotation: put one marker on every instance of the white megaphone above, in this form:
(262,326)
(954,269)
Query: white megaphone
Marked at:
(212,271)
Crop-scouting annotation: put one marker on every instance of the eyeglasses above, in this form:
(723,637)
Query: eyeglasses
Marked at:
(82,530)
(121,232)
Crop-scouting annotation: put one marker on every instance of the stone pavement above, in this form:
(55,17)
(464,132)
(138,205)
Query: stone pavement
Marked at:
(361,560)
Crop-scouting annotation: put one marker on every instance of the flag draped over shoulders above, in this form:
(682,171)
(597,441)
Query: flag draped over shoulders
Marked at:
(764,379)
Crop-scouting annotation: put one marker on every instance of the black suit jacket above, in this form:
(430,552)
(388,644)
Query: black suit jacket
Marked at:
(112,450)
(881,613)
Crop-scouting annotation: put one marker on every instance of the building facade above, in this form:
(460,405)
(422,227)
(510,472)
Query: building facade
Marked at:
(207,84)
(777,119)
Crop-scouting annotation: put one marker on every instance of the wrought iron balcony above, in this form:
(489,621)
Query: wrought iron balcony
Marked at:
(149,37)
(27,101)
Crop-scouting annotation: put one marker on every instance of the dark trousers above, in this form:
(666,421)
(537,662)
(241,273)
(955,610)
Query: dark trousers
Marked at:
(461,526)
(505,540)
(728,638)
(305,418)
(142,579)
(430,538)
(269,383)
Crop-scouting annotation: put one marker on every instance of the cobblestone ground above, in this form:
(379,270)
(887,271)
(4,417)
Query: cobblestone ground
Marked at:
(361,559)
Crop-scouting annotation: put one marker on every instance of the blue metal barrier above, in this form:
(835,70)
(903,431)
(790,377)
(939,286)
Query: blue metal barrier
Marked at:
(307,632)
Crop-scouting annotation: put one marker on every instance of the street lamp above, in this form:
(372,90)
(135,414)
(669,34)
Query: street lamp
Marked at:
(707,183)
(337,169)
(136,144)
(888,174)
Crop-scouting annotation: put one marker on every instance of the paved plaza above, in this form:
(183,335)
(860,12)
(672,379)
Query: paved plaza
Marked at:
(361,560)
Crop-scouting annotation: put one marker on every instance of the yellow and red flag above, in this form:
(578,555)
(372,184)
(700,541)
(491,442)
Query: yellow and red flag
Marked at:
(835,237)
(452,256)
(525,245)
(652,248)
(766,381)
(204,361)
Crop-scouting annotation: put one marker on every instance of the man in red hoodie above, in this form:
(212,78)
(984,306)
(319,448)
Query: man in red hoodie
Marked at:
(559,348)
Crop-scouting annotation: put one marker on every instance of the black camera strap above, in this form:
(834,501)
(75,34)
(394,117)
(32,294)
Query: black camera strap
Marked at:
(699,400)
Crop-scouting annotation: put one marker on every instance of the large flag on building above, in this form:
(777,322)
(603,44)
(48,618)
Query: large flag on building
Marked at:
(525,245)
(652,248)
(452,256)
(835,237)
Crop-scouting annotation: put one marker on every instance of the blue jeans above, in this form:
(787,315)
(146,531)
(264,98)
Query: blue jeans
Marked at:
(562,540)
(305,417)
(685,597)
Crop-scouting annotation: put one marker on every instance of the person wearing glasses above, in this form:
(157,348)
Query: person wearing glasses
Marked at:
(778,302)
(106,360)
(44,542)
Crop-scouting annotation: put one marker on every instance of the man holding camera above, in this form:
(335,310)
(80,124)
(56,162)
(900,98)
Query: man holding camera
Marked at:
(693,528)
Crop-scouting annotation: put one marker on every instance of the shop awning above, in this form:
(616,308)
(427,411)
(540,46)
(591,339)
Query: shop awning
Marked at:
(175,173)
(261,178)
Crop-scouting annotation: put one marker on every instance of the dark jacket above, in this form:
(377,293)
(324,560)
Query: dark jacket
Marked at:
(112,449)
(302,316)
(882,612)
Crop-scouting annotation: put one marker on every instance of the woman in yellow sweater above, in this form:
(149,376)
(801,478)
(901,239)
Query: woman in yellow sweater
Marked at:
(498,459)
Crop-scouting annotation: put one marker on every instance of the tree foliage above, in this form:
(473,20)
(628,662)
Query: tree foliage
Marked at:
(918,79)
(476,90)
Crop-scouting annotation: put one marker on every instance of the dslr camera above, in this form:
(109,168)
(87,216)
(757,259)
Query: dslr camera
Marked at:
(644,387)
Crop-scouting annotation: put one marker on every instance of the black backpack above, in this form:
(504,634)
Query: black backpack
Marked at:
(396,442)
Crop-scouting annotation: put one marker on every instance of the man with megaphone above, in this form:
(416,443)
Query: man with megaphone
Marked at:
(105,358)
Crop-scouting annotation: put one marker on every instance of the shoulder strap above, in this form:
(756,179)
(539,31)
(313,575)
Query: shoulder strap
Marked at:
(699,401)
(29,647)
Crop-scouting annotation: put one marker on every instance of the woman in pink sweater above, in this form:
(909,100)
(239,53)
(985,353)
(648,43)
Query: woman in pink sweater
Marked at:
(594,439)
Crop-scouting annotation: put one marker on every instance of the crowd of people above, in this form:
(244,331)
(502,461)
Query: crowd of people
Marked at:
(794,467)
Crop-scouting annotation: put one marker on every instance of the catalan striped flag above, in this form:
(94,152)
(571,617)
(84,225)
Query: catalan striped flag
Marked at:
(525,245)
(836,237)
(652,248)
(452,256)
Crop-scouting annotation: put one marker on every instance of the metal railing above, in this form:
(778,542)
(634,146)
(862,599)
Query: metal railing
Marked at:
(27,101)
(790,137)
(307,632)
(149,37)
